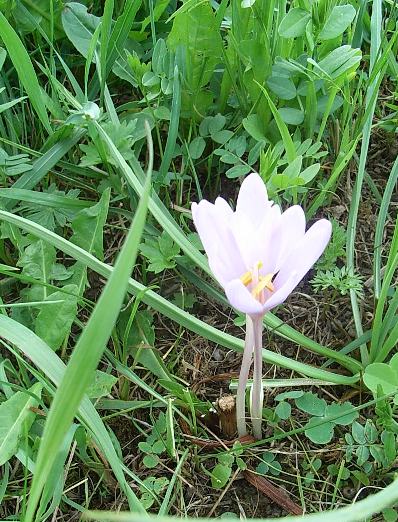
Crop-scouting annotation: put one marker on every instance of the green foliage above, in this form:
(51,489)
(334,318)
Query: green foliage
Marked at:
(16,419)
(222,471)
(382,376)
(334,250)
(340,279)
(160,252)
(227,88)
(369,447)
(323,417)
(154,444)
(269,465)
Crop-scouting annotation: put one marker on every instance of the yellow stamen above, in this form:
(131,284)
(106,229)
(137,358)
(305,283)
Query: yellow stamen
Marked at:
(265,282)
(247,277)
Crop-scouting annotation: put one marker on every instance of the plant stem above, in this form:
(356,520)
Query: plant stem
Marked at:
(257,395)
(243,376)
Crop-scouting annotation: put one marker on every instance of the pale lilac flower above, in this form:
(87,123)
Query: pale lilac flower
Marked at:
(257,253)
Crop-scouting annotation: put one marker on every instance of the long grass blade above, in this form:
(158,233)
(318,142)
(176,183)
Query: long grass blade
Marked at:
(170,310)
(26,73)
(376,22)
(354,513)
(85,359)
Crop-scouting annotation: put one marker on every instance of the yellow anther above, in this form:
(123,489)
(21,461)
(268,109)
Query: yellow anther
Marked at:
(265,282)
(247,277)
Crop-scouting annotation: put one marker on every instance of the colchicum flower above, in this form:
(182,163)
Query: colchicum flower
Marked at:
(258,255)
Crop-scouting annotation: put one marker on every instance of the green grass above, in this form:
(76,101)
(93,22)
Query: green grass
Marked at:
(112,325)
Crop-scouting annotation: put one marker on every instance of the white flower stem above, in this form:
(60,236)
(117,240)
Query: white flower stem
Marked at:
(243,377)
(257,395)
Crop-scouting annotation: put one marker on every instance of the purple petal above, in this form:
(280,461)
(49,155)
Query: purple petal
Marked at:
(287,235)
(218,241)
(256,243)
(223,207)
(253,199)
(299,261)
(241,299)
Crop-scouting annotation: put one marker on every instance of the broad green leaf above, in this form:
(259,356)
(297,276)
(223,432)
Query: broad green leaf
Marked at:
(16,418)
(196,147)
(339,19)
(319,432)
(88,226)
(343,414)
(291,116)
(283,87)
(294,23)
(283,410)
(339,62)
(197,30)
(253,125)
(101,385)
(311,403)
(293,168)
(238,171)
(37,261)
(150,461)
(26,73)
(220,475)
(310,172)
(381,374)
(54,321)
(79,26)
(88,230)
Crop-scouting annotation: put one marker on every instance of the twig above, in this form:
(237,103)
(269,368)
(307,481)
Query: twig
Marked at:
(278,495)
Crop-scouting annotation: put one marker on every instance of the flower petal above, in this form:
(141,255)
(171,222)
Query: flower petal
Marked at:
(299,261)
(218,241)
(253,199)
(223,207)
(241,299)
(287,234)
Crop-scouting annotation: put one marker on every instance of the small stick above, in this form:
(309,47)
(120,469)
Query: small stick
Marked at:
(278,495)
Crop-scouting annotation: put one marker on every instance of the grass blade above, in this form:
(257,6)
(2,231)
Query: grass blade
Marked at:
(43,164)
(173,128)
(376,22)
(44,358)
(85,359)
(26,73)
(356,512)
(171,311)
(381,221)
(284,131)
(106,25)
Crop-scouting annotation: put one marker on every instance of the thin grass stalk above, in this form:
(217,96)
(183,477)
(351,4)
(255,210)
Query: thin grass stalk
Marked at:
(376,21)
